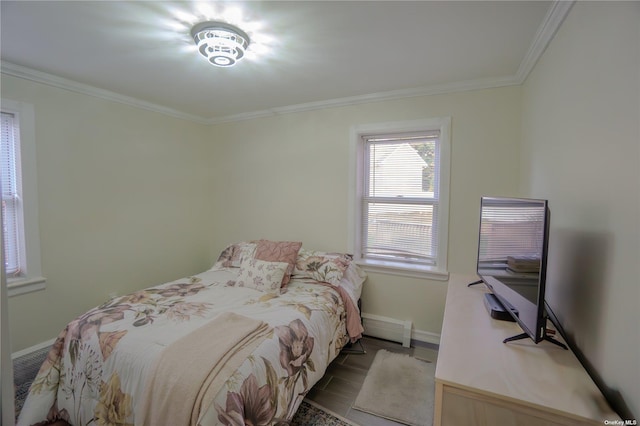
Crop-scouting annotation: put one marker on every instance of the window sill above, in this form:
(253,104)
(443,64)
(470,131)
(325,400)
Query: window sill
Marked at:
(19,286)
(404,269)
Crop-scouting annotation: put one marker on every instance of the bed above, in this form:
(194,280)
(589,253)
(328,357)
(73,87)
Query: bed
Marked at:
(241,343)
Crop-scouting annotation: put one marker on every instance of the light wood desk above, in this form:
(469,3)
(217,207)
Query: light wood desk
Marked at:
(482,381)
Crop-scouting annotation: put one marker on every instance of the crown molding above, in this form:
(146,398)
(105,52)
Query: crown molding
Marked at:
(19,71)
(26,73)
(556,14)
(460,86)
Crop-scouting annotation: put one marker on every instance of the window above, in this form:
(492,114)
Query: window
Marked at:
(11,197)
(401,197)
(19,198)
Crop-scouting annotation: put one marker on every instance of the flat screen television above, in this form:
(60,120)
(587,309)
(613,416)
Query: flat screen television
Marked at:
(512,260)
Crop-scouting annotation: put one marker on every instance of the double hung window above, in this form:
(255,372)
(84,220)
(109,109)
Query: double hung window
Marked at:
(12,229)
(20,230)
(402,196)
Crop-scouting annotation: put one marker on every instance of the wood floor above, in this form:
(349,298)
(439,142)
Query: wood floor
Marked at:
(339,387)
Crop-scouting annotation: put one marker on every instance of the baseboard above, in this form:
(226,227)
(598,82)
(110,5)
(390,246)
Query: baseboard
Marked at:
(27,351)
(396,330)
(426,337)
(387,328)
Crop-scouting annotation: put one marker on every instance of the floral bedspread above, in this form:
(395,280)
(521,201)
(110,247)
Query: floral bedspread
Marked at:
(98,367)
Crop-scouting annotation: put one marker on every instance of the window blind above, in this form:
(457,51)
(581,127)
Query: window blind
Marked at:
(400,197)
(11,202)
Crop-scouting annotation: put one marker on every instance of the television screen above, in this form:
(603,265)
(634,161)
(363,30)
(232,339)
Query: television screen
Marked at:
(512,251)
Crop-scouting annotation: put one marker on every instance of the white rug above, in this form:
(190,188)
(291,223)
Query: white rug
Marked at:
(400,388)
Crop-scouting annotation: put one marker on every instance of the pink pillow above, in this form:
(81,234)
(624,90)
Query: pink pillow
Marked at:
(279,251)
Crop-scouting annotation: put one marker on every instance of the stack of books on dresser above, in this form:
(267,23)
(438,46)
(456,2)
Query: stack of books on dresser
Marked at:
(523,264)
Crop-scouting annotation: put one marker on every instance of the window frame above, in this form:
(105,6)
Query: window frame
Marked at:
(357,167)
(31,279)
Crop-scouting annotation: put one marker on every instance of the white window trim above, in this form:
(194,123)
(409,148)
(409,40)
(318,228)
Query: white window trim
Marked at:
(439,271)
(33,280)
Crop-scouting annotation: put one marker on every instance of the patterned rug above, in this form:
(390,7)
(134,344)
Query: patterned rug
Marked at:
(26,367)
(311,414)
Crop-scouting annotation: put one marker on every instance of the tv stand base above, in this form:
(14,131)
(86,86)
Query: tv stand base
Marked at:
(475,283)
(526,336)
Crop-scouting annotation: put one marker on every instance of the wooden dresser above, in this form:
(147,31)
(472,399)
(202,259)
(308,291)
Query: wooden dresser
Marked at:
(482,381)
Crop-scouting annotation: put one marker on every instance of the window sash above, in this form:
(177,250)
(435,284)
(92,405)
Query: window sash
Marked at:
(399,215)
(11,197)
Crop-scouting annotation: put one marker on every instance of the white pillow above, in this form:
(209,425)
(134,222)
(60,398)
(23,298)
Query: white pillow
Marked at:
(233,255)
(261,275)
(322,266)
(352,281)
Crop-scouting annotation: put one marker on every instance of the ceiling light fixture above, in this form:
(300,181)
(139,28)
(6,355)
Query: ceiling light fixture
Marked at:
(222,44)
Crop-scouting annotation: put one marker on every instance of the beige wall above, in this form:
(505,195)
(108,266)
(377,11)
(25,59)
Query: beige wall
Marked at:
(285,177)
(122,199)
(581,150)
(130,198)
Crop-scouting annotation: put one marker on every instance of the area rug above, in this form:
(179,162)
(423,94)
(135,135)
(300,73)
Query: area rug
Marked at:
(25,369)
(399,387)
(311,414)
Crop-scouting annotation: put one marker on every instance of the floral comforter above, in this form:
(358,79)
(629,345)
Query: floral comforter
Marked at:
(99,366)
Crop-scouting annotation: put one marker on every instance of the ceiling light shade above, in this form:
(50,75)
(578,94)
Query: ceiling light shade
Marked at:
(222,44)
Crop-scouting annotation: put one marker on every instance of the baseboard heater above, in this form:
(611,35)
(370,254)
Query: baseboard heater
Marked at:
(388,328)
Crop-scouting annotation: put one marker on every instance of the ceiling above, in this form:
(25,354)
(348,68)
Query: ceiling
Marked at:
(304,54)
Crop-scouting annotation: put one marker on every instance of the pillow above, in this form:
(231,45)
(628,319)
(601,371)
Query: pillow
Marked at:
(261,275)
(352,281)
(322,266)
(279,251)
(232,256)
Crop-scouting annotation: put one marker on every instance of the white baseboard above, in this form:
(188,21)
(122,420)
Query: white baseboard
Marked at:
(388,328)
(396,330)
(426,337)
(27,351)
